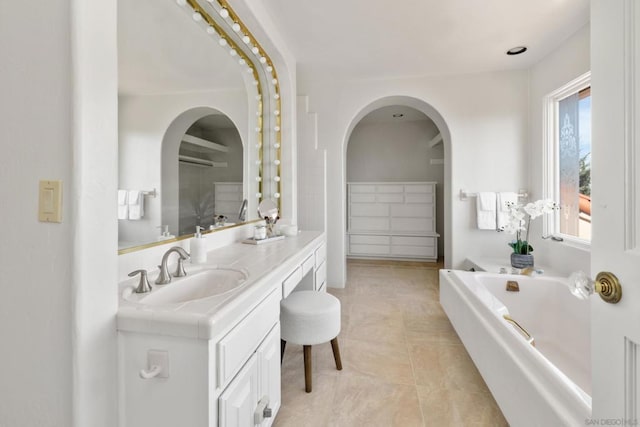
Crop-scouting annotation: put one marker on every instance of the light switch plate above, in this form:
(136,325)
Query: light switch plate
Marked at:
(50,201)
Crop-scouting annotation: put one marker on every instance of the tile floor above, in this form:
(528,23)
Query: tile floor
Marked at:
(403,364)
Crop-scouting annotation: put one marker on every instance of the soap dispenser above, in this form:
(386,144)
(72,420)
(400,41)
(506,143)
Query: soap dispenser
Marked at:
(164,235)
(198,247)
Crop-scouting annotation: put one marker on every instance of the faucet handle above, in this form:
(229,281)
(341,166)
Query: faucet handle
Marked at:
(143,285)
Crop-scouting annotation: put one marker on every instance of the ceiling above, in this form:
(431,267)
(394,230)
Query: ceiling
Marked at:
(382,39)
(385,115)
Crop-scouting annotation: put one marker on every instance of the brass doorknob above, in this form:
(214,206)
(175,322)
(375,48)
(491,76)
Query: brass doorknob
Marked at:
(608,287)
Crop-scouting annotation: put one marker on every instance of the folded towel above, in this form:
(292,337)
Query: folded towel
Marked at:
(503,211)
(123,208)
(486,207)
(136,204)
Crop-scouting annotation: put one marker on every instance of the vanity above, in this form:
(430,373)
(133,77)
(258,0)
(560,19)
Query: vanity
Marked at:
(219,350)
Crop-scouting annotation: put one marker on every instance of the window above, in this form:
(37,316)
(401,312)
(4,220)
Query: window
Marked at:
(568,160)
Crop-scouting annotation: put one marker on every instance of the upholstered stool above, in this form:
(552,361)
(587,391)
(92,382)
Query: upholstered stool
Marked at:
(309,318)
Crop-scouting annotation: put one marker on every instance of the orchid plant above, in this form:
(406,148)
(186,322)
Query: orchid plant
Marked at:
(519,223)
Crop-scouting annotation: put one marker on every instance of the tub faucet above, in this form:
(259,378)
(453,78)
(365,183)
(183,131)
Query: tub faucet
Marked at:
(164,276)
(530,271)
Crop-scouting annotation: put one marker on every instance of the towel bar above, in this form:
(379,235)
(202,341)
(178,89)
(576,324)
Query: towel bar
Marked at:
(465,195)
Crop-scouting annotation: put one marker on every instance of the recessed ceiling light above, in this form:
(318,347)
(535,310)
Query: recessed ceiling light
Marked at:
(517,50)
(398,115)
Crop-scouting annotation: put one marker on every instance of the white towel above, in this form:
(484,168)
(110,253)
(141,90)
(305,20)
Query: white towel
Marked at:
(503,211)
(136,204)
(486,207)
(123,208)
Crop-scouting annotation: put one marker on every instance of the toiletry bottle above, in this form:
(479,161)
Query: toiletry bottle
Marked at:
(198,248)
(164,235)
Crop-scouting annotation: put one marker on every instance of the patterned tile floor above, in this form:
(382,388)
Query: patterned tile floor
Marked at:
(403,364)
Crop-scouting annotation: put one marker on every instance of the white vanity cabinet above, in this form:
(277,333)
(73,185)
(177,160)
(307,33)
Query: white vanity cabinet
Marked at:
(223,361)
(218,382)
(392,220)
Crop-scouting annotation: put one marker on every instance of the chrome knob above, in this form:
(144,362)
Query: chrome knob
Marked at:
(267,412)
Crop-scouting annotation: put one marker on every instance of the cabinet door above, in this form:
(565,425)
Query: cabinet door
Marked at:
(269,368)
(238,402)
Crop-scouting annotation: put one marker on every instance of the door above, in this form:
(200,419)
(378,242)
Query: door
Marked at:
(615,66)
(240,398)
(269,370)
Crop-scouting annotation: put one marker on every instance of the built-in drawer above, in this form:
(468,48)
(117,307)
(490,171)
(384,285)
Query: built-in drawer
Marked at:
(321,276)
(369,224)
(321,254)
(418,188)
(363,198)
(414,210)
(369,209)
(368,249)
(389,198)
(413,225)
(308,264)
(362,188)
(291,281)
(418,198)
(413,240)
(236,347)
(389,188)
(368,240)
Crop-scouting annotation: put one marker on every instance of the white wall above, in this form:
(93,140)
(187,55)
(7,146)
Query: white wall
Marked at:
(57,320)
(487,116)
(36,133)
(570,60)
(398,151)
(143,123)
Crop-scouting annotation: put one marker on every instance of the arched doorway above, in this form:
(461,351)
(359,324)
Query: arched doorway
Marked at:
(439,122)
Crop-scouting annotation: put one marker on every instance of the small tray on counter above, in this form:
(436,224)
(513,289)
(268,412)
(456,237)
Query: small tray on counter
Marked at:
(253,241)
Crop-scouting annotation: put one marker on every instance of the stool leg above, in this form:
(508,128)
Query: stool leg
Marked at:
(283,344)
(307,368)
(336,353)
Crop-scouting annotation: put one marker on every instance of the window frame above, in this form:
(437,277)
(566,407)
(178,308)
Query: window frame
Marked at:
(550,164)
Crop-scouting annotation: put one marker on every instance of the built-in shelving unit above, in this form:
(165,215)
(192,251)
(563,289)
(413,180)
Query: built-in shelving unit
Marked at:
(392,220)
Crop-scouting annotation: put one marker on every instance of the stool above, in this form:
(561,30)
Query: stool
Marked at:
(309,318)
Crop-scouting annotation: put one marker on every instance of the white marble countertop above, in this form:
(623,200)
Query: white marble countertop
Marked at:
(208,317)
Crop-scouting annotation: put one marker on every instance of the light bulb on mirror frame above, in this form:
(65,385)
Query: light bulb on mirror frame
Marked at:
(222,41)
(224,13)
(258,195)
(181,2)
(255,50)
(276,195)
(235,27)
(276,162)
(233,52)
(276,178)
(276,145)
(211,30)
(241,61)
(196,16)
(258,178)
(276,128)
(246,39)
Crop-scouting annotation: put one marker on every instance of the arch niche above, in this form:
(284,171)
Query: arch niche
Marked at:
(439,121)
(170,147)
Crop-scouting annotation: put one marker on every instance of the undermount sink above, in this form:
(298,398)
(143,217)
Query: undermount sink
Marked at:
(201,284)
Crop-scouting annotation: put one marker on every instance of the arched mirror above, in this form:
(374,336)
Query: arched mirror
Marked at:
(181,72)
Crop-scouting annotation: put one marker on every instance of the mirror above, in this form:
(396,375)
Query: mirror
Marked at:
(176,80)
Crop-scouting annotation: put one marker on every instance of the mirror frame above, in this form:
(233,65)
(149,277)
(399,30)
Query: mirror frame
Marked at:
(234,33)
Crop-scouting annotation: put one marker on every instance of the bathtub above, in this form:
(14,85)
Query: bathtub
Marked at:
(548,384)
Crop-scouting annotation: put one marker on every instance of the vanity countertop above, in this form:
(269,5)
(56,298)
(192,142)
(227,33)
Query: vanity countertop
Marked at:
(206,318)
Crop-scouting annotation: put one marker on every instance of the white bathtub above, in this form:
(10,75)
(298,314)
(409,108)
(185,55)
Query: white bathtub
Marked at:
(545,385)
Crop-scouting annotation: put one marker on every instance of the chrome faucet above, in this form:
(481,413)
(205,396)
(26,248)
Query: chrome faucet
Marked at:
(164,276)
